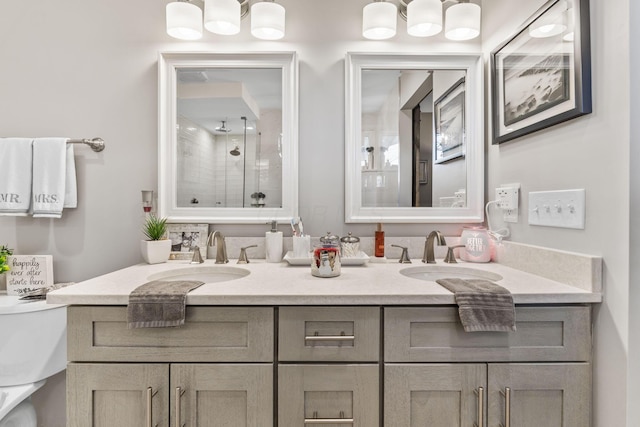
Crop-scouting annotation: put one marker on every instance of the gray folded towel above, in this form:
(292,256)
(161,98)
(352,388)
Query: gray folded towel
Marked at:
(159,304)
(482,305)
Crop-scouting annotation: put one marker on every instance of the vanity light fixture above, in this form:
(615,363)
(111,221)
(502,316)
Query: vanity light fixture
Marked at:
(379,20)
(424,18)
(267,20)
(551,23)
(222,16)
(184,20)
(569,36)
(462,21)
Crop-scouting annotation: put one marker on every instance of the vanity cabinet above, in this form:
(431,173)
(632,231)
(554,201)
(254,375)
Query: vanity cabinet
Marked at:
(163,395)
(328,371)
(539,375)
(197,375)
(362,366)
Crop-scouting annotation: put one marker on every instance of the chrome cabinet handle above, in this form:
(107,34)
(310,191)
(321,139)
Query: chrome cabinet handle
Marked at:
(507,407)
(330,338)
(341,337)
(480,393)
(316,420)
(150,394)
(179,393)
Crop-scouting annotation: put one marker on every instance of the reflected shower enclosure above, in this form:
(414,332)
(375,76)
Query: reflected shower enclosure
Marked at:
(229,126)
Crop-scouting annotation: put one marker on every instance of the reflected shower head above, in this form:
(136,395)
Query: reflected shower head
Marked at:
(223,128)
(235,151)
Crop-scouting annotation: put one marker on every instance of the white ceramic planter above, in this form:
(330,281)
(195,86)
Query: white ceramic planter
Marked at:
(155,251)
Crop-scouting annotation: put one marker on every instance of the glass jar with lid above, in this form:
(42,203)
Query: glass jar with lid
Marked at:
(350,246)
(326,257)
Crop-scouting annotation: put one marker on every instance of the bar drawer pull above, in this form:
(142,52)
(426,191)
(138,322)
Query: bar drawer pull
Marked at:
(507,407)
(179,393)
(150,394)
(480,393)
(328,421)
(341,337)
(316,420)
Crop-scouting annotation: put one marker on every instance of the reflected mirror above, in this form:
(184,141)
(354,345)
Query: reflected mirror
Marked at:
(414,141)
(228,137)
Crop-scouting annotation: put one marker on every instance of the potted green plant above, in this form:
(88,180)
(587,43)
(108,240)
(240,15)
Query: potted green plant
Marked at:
(5,252)
(156,248)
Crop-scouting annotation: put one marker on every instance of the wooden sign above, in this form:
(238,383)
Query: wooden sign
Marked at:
(28,273)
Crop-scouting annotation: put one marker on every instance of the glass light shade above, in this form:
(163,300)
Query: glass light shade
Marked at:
(222,16)
(267,21)
(462,22)
(379,20)
(569,35)
(551,23)
(184,20)
(424,18)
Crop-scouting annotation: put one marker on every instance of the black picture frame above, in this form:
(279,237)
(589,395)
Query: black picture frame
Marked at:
(538,82)
(449,123)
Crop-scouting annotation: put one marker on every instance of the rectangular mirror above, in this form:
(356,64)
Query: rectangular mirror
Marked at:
(414,138)
(228,137)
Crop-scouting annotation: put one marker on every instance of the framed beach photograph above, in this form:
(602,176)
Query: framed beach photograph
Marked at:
(184,237)
(541,76)
(449,122)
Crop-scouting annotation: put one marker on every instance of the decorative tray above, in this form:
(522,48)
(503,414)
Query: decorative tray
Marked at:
(360,259)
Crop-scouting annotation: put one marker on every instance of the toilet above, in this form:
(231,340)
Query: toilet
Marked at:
(33,337)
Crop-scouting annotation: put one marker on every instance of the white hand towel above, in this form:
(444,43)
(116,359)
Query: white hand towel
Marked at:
(15,176)
(49,176)
(71,186)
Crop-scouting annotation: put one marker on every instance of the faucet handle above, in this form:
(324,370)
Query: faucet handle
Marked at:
(197,256)
(242,258)
(451,257)
(404,257)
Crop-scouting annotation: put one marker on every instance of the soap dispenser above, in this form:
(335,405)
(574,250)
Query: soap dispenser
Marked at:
(273,243)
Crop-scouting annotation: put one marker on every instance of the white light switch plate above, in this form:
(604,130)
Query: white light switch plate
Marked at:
(562,208)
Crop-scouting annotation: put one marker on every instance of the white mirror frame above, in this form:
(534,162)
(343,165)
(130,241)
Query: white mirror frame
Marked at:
(168,63)
(474,128)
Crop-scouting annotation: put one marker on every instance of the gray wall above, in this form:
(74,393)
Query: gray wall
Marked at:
(593,153)
(88,68)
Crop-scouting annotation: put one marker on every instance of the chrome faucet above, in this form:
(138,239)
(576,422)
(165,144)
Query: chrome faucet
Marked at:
(217,239)
(429,253)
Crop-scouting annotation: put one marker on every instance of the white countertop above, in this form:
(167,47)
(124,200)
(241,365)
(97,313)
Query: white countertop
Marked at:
(282,284)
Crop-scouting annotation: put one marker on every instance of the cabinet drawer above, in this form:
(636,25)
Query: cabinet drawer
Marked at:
(328,334)
(435,334)
(210,334)
(328,395)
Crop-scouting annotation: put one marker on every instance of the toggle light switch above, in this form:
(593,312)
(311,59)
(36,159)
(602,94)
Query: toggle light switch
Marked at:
(562,208)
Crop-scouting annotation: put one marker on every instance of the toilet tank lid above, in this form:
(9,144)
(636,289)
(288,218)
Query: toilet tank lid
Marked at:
(10,304)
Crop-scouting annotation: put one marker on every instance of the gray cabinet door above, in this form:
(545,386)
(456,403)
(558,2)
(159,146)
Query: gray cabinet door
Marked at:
(540,395)
(222,395)
(434,395)
(123,395)
(327,394)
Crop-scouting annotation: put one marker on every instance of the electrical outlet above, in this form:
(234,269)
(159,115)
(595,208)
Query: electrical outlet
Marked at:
(507,196)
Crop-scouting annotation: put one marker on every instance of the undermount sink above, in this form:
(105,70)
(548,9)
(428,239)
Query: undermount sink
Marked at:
(208,274)
(432,273)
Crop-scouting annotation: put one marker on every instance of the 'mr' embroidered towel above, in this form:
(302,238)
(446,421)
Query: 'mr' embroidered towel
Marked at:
(482,305)
(49,176)
(159,304)
(15,176)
